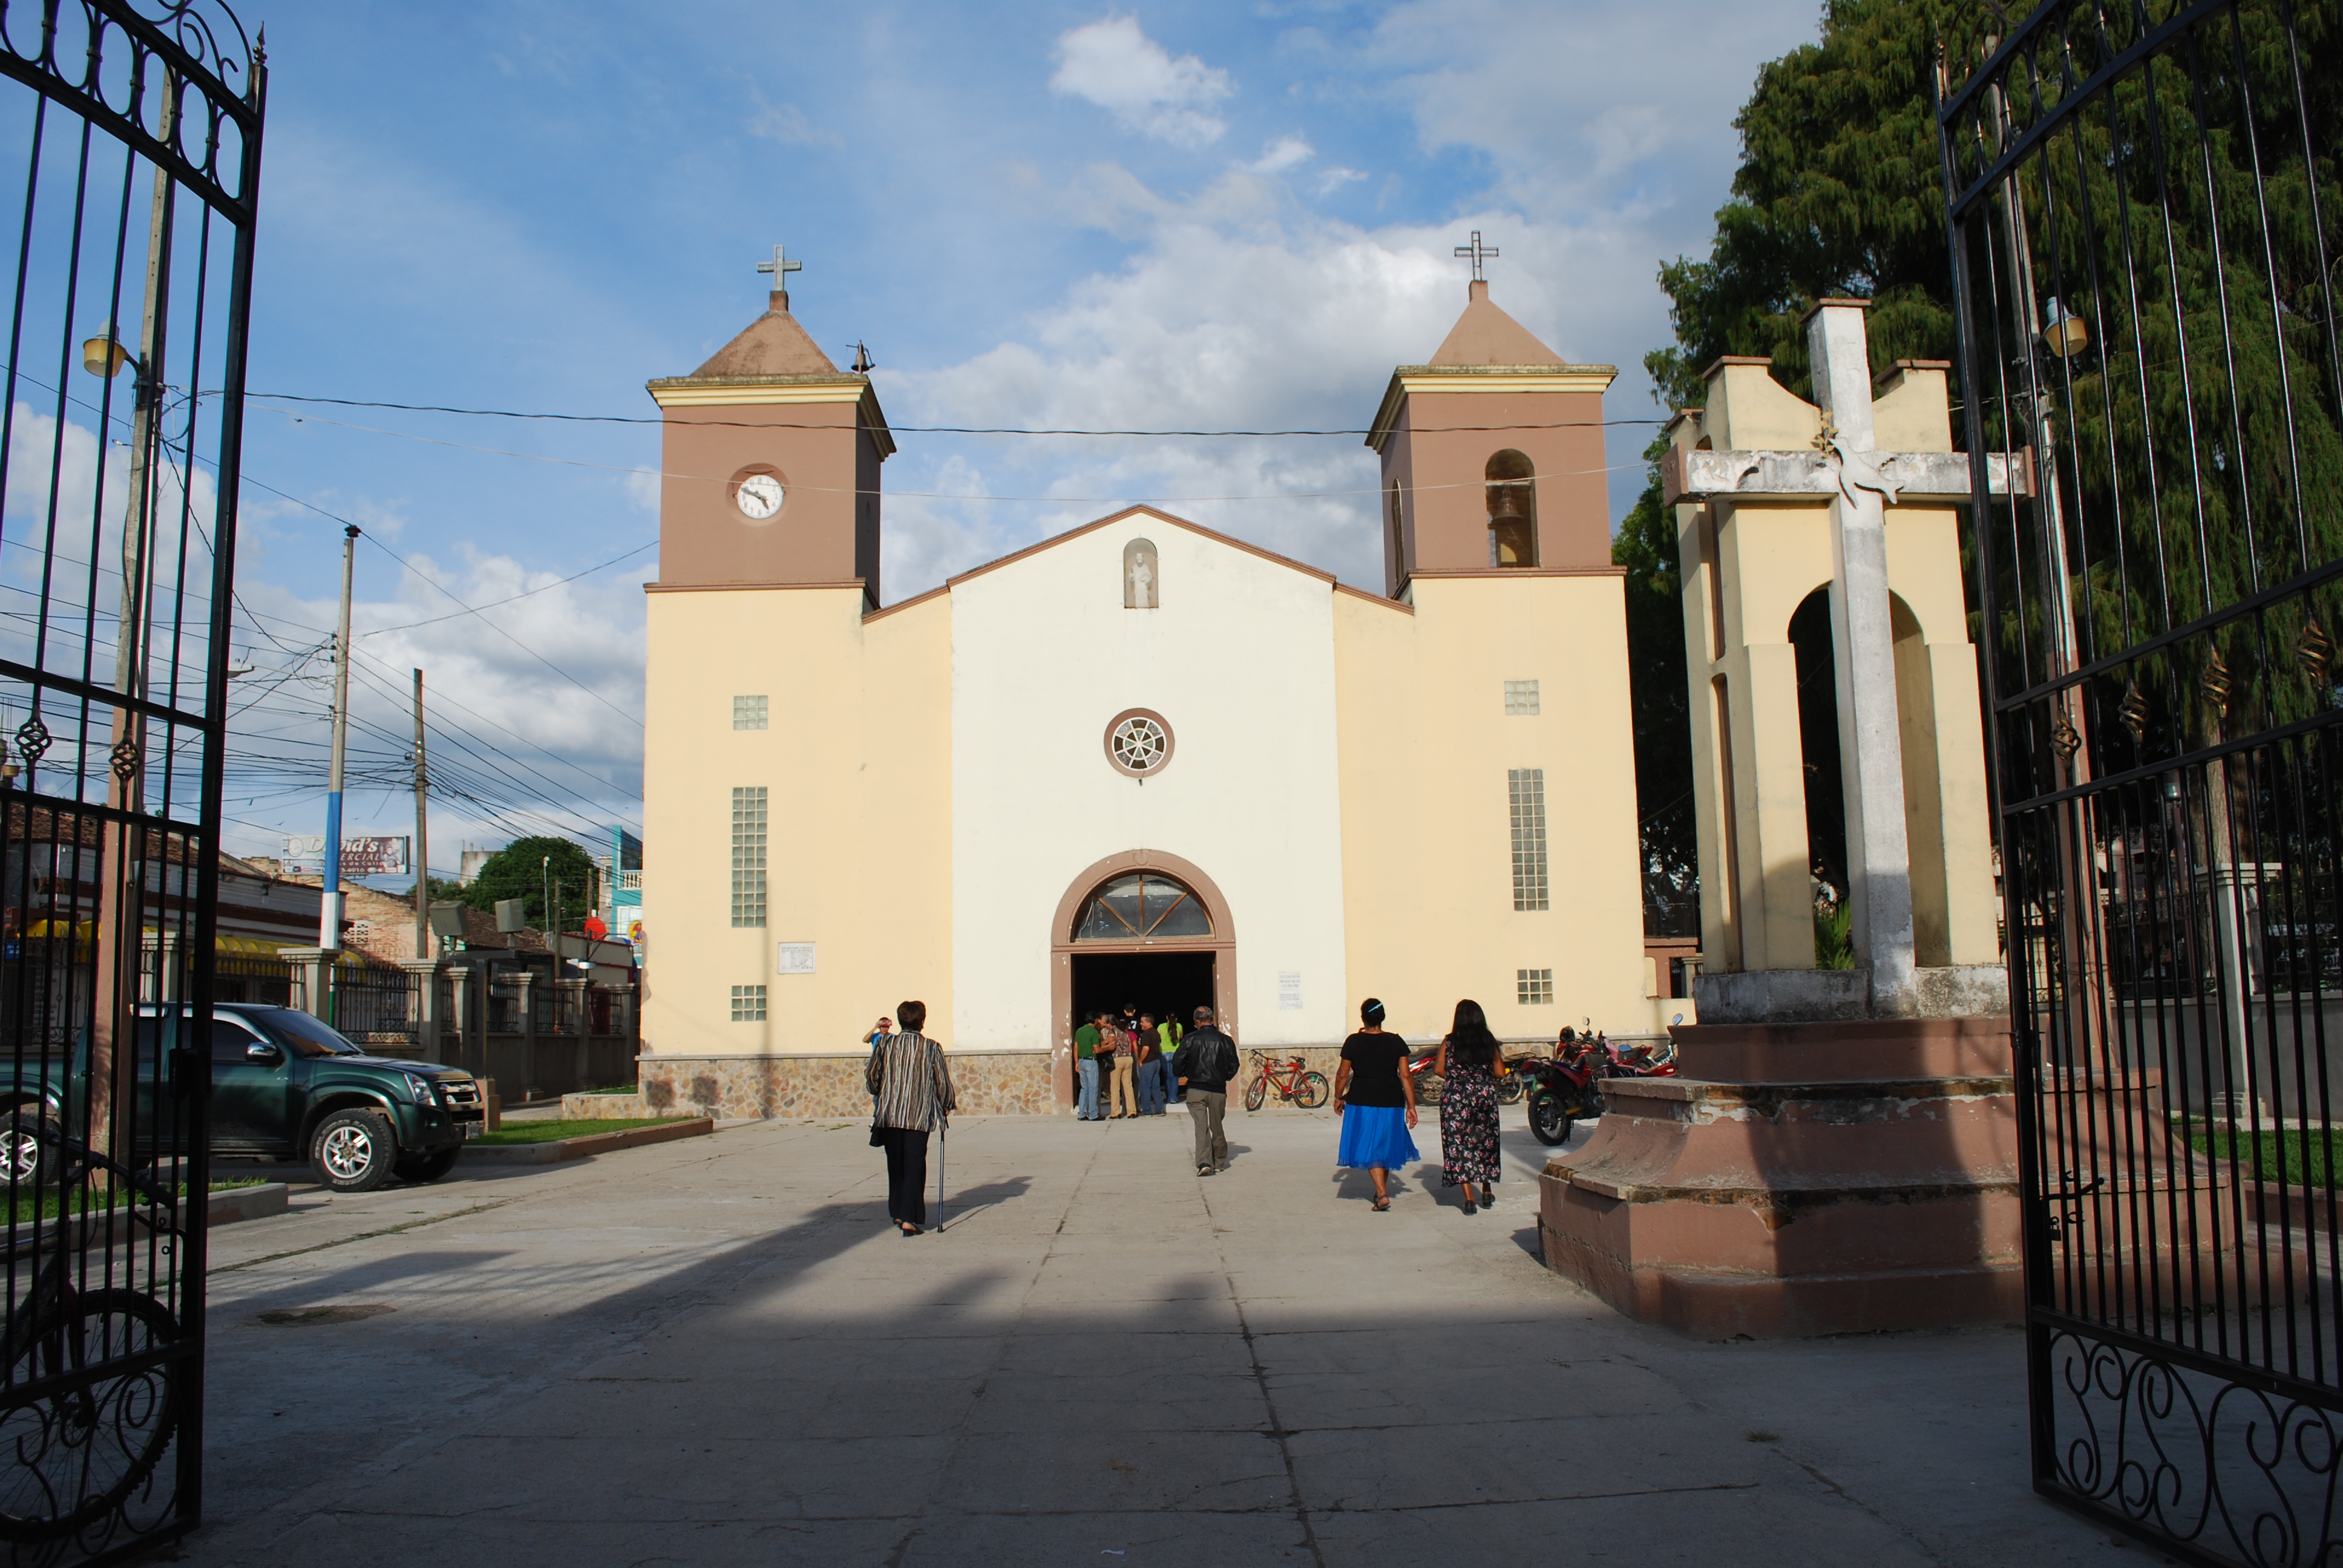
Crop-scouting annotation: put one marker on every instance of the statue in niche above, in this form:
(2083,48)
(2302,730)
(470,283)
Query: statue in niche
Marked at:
(1141,584)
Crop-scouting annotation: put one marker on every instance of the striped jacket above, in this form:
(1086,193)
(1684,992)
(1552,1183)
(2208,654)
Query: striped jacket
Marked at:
(908,1076)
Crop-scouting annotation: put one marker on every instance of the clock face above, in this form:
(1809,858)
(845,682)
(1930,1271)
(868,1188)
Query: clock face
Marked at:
(760,497)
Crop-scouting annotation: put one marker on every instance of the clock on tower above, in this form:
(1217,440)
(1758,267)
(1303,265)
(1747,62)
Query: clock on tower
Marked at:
(770,462)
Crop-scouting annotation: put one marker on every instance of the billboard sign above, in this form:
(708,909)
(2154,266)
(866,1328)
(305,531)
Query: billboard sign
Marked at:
(304,855)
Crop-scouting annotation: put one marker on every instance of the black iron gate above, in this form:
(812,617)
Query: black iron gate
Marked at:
(2145,201)
(134,129)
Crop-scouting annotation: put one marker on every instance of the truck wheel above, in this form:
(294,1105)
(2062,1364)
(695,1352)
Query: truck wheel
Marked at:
(353,1151)
(426,1167)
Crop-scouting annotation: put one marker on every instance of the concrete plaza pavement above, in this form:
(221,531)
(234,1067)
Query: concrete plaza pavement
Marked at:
(716,1351)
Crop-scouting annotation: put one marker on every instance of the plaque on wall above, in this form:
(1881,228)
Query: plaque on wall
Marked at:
(793,959)
(1289,990)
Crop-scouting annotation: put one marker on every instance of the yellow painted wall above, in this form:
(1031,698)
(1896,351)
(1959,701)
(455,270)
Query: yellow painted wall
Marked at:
(1427,851)
(856,765)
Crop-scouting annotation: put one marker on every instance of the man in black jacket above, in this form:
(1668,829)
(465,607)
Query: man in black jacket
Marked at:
(1205,1066)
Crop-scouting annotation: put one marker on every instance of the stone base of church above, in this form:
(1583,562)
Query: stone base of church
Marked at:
(1801,1178)
(987,1083)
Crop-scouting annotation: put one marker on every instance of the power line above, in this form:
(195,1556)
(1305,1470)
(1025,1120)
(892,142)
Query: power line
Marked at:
(940,495)
(919,429)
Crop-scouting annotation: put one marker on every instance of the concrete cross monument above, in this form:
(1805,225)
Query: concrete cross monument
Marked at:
(1839,1153)
(1844,462)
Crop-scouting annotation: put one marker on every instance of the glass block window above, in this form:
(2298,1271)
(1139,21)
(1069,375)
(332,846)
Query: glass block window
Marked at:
(1534,988)
(1526,788)
(749,856)
(748,1004)
(1521,700)
(749,713)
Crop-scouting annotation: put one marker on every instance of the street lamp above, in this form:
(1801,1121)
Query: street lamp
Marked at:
(2063,333)
(104,355)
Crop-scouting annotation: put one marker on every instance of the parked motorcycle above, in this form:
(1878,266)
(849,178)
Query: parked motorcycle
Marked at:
(1560,1090)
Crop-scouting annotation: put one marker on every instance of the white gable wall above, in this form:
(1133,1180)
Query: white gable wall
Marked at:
(1241,662)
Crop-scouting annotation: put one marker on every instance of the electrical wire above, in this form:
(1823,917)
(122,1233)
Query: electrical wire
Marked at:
(921,429)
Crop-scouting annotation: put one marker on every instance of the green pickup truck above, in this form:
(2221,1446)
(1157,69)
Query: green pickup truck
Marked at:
(284,1084)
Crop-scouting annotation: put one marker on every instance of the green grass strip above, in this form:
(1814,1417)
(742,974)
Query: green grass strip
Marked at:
(547,1131)
(2291,1156)
(24,1209)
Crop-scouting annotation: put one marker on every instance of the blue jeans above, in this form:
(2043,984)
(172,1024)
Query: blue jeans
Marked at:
(1087,1106)
(1151,1087)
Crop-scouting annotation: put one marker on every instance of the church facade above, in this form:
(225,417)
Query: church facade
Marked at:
(1141,761)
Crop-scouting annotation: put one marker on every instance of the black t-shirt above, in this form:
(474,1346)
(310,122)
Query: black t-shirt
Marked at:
(1374,1061)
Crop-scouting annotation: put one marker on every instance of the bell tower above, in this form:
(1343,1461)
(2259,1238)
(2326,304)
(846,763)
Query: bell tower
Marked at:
(1492,453)
(769,461)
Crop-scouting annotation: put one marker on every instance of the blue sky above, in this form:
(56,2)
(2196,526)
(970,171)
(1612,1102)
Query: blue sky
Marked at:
(1042,215)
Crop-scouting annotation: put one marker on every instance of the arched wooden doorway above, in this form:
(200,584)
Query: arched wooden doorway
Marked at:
(1140,904)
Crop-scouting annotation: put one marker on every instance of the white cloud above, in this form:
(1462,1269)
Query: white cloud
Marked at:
(1333,179)
(1112,64)
(1282,153)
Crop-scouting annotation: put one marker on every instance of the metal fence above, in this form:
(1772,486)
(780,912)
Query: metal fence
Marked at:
(132,132)
(2144,209)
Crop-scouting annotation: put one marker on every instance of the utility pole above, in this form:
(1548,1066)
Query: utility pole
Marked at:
(424,947)
(329,909)
(121,936)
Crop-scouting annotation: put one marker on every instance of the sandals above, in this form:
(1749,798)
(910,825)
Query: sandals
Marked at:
(1379,1206)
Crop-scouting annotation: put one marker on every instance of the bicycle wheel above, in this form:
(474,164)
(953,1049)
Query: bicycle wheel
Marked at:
(1256,1091)
(77,1452)
(1312,1090)
(1509,1087)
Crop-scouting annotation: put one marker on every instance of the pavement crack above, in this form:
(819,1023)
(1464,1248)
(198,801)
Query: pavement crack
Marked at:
(362,1236)
(1277,1429)
(1843,1495)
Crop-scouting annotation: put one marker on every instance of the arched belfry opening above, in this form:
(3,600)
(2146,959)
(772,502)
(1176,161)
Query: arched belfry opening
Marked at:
(1818,750)
(1513,509)
(1144,928)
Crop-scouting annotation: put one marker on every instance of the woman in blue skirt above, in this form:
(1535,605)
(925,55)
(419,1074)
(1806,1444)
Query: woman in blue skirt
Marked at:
(1376,1102)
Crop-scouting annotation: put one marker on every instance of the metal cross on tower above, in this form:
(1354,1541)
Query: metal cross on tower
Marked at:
(780,267)
(1479,253)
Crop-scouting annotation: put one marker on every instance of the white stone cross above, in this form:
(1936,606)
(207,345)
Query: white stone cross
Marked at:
(780,267)
(1846,463)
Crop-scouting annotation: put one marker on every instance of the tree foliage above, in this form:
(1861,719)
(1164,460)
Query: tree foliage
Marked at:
(519,870)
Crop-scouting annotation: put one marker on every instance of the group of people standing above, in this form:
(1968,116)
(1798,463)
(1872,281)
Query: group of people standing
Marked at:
(1150,1064)
(1132,1052)
(1374,1097)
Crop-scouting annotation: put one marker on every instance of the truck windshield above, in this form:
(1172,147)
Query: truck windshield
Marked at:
(303,1034)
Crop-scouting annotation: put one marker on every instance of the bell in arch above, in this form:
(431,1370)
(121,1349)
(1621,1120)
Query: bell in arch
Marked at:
(1513,510)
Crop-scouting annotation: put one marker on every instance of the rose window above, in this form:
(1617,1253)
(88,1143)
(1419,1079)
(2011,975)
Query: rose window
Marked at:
(1139,743)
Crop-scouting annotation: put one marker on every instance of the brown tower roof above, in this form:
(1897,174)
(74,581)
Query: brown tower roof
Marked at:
(772,345)
(1485,334)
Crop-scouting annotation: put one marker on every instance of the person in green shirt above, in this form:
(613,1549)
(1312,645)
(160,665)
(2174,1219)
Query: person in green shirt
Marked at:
(1169,1033)
(1086,1044)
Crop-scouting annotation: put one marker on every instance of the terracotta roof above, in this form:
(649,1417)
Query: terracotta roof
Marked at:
(772,345)
(1485,334)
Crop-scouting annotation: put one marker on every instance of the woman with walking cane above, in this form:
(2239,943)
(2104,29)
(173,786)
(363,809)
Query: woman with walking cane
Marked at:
(913,1095)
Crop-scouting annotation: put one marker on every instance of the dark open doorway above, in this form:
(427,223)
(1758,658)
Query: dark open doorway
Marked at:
(1171,985)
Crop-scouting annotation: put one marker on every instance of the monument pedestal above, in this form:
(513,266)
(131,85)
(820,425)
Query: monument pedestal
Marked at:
(1801,1178)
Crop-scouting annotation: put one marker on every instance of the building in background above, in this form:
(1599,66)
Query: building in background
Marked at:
(1141,761)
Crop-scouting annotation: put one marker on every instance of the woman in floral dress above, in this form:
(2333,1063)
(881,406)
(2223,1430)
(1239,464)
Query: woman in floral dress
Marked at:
(1469,1152)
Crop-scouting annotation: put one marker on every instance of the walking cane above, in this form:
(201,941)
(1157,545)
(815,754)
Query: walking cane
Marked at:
(943,1148)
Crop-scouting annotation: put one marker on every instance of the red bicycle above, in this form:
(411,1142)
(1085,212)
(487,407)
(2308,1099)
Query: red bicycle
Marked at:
(1294,1083)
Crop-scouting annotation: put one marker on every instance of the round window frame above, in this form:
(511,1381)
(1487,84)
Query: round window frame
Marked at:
(748,472)
(1170,742)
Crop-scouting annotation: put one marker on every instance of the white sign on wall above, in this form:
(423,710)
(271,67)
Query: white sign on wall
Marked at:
(1289,990)
(304,855)
(793,959)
